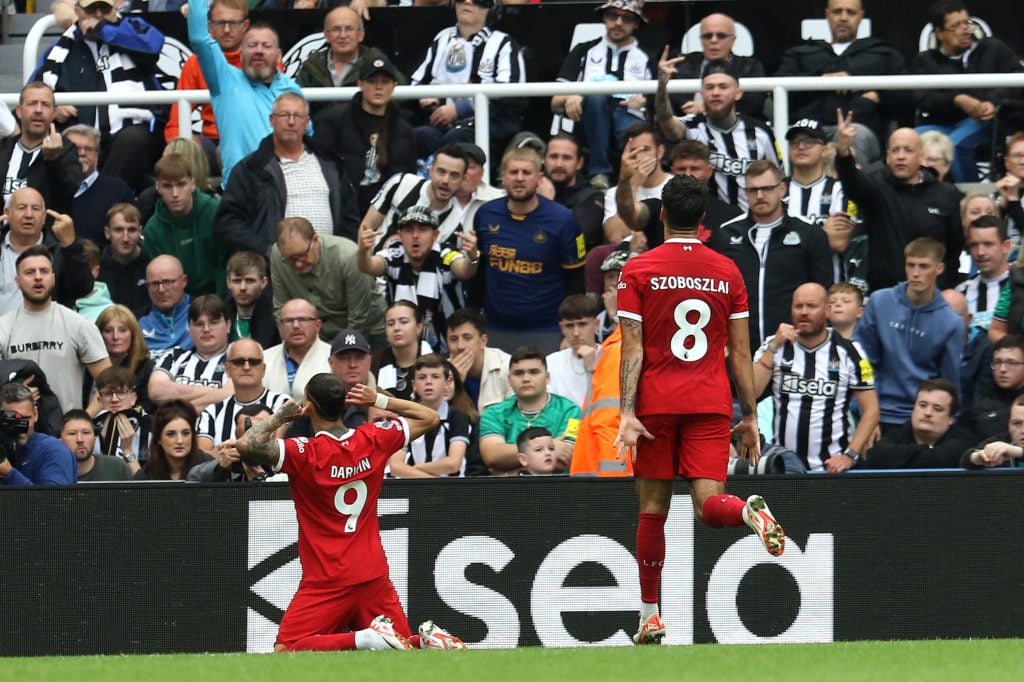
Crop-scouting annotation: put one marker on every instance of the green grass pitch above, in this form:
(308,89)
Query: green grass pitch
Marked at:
(959,660)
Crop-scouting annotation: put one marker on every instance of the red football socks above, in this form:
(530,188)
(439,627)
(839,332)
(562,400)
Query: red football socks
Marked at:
(722,511)
(650,554)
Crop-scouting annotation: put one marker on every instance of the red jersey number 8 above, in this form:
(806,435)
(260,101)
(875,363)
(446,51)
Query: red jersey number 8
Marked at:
(354,508)
(698,347)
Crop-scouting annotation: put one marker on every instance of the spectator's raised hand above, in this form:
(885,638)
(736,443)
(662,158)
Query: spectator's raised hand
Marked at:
(368,237)
(53,144)
(845,132)
(63,227)
(667,67)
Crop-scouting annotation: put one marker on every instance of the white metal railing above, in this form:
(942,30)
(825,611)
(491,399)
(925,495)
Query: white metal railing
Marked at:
(481,94)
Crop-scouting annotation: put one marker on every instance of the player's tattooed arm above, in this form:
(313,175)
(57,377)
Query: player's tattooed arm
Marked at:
(632,358)
(259,443)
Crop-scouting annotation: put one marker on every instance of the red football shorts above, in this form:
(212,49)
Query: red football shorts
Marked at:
(331,610)
(687,445)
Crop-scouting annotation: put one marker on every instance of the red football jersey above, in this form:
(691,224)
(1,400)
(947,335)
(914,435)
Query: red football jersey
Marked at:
(335,483)
(685,294)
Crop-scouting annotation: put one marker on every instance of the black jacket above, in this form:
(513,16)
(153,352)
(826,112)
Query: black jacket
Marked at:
(896,213)
(74,278)
(990,412)
(126,282)
(990,55)
(346,129)
(587,204)
(864,57)
(57,180)
(254,200)
(903,452)
(797,253)
(262,325)
(751,104)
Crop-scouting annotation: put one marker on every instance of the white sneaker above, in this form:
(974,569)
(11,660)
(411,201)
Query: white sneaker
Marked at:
(435,637)
(757,515)
(384,636)
(651,631)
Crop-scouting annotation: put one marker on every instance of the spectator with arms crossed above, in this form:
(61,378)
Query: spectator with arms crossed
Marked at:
(345,599)
(673,344)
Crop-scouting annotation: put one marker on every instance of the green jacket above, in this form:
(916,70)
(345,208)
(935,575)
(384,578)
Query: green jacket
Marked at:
(190,240)
(316,73)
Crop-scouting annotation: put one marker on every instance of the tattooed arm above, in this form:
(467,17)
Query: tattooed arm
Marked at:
(630,427)
(259,443)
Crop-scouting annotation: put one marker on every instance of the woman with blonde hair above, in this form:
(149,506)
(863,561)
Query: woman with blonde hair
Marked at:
(126,347)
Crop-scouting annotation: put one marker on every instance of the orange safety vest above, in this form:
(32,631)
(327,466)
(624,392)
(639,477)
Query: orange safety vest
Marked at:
(595,454)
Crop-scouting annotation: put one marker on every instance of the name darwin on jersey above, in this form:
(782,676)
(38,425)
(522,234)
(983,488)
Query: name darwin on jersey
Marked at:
(794,384)
(348,472)
(716,286)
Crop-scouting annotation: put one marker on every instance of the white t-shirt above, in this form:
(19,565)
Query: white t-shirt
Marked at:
(569,377)
(60,341)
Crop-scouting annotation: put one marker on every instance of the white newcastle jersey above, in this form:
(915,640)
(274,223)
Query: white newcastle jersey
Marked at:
(982,296)
(217,421)
(732,152)
(489,56)
(812,389)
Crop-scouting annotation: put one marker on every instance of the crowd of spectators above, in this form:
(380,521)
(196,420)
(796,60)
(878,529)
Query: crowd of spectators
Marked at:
(150,315)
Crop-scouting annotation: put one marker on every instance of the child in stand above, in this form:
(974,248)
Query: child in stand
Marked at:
(536,452)
(845,308)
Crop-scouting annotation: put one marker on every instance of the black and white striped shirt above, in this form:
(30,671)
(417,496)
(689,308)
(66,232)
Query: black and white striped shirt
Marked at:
(812,389)
(490,56)
(599,60)
(732,151)
(190,368)
(217,422)
(815,203)
(982,295)
(403,191)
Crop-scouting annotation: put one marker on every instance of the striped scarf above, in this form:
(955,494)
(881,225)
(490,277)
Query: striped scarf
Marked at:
(118,74)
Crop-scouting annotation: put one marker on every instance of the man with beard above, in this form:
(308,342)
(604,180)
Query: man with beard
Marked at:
(292,166)
(97,191)
(814,372)
(39,157)
(63,343)
(534,257)
(37,459)
(567,184)
(615,56)
(735,140)
(79,435)
(402,191)
(229,20)
(774,252)
(25,216)
(242,100)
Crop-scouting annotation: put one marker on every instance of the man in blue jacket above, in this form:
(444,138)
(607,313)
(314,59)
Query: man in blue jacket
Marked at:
(30,458)
(910,334)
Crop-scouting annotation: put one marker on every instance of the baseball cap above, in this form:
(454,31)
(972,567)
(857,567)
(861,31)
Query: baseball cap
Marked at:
(634,6)
(807,126)
(474,152)
(616,260)
(349,339)
(721,66)
(368,67)
(420,215)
